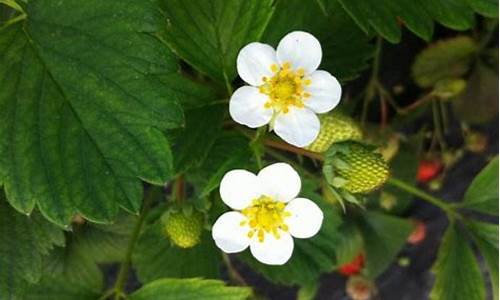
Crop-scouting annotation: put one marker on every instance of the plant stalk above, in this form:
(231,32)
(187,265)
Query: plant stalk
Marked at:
(446,207)
(125,265)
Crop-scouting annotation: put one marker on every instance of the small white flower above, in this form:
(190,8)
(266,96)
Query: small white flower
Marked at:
(286,91)
(267,213)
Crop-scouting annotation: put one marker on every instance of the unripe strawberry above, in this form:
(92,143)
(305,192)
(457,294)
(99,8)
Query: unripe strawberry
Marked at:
(183,229)
(353,267)
(358,167)
(335,127)
(428,170)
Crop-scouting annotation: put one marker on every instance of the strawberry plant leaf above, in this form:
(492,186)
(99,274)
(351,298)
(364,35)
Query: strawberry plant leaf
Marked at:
(192,144)
(383,237)
(482,194)
(154,252)
(346,49)
(454,257)
(86,92)
(385,16)
(24,242)
(209,34)
(485,237)
(445,59)
(188,289)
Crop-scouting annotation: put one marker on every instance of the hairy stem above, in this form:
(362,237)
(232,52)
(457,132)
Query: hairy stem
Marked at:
(232,272)
(125,265)
(373,81)
(446,207)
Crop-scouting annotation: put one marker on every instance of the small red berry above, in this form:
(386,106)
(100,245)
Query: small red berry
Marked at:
(418,234)
(428,170)
(354,267)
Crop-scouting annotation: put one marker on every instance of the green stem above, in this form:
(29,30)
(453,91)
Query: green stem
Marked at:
(125,265)
(485,40)
(373,82)
(229,87)
(436,117)
(446,207)
(256,145)
(233,273)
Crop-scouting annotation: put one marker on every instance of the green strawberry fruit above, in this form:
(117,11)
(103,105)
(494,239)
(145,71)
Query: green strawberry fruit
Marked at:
(357,168)
(335,127)
(183,229)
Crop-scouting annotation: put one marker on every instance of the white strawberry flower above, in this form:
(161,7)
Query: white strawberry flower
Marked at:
(267,213)
(286,89)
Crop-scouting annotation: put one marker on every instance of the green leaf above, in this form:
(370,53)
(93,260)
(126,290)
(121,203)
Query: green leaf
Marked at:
(192,144)
(230,151)
(485,237)
(104,243)
(189,289)
(155,257)
(349,243)
(50,289)
(209,34)
(457,273)
(488,8)
(310,258)
(346,48)
(479,103)
(383,237)
(445,59)
(385,16)
(482,194)
(83,106)
(74,266)
(24,241)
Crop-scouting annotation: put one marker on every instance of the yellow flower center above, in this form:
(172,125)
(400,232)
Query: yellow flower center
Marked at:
(265,215)
(285,88)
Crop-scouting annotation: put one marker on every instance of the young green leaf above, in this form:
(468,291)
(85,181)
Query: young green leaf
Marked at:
(482,194)
(457,273)
(24,242)
(383,237)
(209,34)
(485,237)
(445,59)
(83,107)
(189,289)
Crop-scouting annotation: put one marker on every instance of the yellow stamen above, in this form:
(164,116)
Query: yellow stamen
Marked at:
(285,88)
(265,216)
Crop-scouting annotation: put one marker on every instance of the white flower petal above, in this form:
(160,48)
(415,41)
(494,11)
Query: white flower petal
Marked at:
(306,218)
(325,92)
(228,233)
(299,126)
(301,49)
(279,181)
(273,251)
(254,62)
(238,188)
(246,107)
